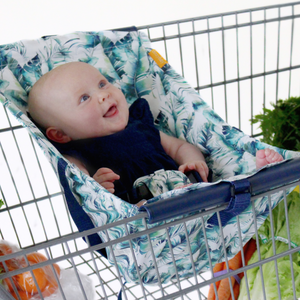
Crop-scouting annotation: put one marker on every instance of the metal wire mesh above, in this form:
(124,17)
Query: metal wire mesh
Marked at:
(239,62)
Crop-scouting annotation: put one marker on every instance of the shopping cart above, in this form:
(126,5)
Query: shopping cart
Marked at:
(251,62)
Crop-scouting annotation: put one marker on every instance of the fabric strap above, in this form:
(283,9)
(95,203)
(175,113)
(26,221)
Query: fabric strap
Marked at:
(238,203)
(237,278)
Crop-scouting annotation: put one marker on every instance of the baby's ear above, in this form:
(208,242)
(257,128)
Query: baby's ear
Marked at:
(57,135)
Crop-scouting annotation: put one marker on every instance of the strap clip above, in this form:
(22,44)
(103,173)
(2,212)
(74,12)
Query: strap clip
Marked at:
(240,200)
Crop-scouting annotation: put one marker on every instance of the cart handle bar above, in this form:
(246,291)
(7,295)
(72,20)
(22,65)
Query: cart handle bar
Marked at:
(223,192)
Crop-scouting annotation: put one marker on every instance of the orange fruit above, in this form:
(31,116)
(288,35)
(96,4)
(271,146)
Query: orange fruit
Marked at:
(36,257)
(25,281)
(52,282)
(50,273)
(12,264)
(5,248)
(22,295)
(8,284)
(51,288)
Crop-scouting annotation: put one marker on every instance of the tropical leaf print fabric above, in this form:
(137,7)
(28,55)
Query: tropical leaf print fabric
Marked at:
(178,111)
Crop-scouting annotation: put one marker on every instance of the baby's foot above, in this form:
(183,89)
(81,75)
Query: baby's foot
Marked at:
(267,156)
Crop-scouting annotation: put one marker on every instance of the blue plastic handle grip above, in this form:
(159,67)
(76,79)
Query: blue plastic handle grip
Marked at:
(189,202)
(221,193)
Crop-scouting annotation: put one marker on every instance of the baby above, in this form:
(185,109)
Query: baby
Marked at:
(88,120)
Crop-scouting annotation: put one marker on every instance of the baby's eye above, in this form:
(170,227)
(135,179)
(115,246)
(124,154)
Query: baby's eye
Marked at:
(102,84)
(84,98)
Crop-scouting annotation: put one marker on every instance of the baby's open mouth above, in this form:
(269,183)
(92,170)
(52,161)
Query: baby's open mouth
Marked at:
(111,111)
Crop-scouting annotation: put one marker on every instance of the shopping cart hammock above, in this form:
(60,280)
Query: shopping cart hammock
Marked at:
(179,111)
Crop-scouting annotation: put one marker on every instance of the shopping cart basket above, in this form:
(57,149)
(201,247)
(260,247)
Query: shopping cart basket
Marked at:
(144,235)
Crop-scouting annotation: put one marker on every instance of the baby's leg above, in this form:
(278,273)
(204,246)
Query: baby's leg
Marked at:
(267,156)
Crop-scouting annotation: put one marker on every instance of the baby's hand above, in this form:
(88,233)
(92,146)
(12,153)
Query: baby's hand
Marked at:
(106,178)
(199,166)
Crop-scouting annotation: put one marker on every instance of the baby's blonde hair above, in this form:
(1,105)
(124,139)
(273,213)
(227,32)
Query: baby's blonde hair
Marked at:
(37,102)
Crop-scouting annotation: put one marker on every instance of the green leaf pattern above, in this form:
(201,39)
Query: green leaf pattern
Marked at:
(178,111)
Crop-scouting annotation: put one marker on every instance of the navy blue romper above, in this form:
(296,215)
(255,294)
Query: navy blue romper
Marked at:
(131,153)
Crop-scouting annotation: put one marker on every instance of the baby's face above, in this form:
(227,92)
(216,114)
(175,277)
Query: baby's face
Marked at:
(85,104)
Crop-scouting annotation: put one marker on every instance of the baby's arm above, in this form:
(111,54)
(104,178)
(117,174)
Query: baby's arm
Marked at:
(188,156)
(103,176)
(78,163)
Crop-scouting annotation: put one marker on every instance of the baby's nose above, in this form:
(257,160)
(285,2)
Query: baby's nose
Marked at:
(102,97)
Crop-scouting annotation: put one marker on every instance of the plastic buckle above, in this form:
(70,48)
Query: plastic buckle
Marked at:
(240,200)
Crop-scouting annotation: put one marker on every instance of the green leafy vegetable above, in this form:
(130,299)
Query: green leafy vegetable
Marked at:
(281,125)
(283,264)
